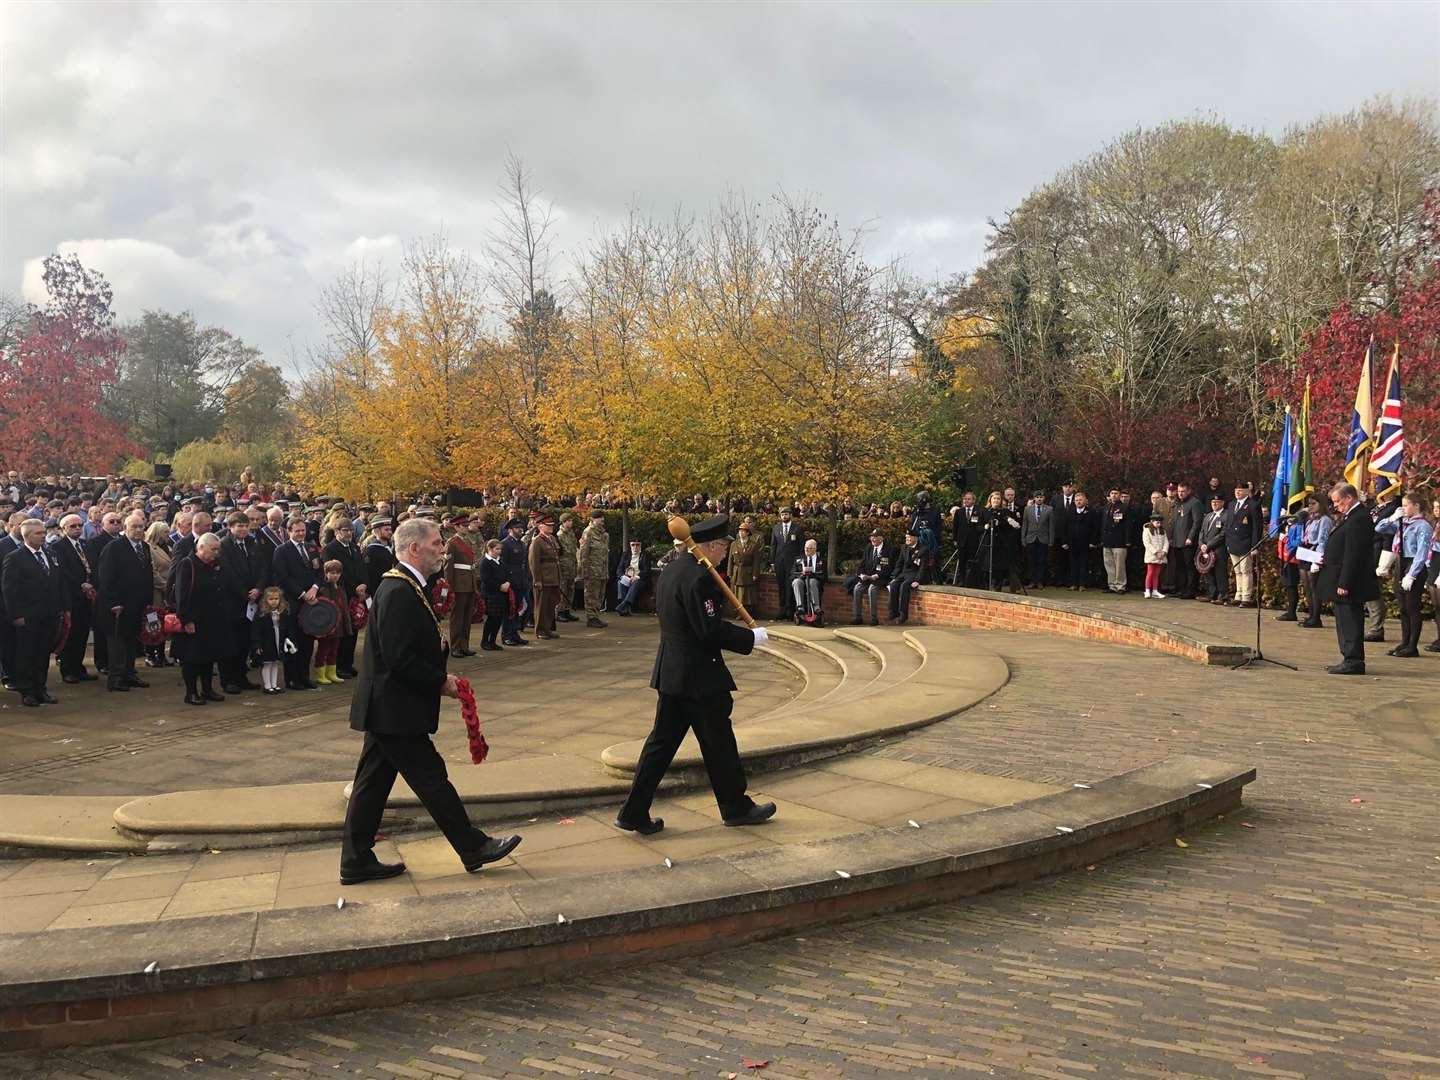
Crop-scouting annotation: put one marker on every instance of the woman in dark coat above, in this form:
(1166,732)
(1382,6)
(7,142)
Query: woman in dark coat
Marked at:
(200,595)
(999,544)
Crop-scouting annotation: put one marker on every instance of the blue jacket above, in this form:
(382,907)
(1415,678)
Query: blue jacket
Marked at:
(1416,540)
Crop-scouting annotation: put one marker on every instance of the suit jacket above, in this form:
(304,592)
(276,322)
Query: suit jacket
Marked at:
(1212,530)
(1060,506)
(492,576)
(403,668)
(93,547)
(378,559)
(244,570)
(265,544)
(294,573)
(783,552)
(1243,526)
(74,572)
(1349,560)
(909,560)
(123,579)
(352,565)
(693,633)
(1185,525)
(966,529)
(1038,525)
(31,593)
(881,563)
(798,567)
(1081,529)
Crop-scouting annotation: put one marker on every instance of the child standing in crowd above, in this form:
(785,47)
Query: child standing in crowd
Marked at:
(495,591)
(1157,553)
(269,634)
(327,649)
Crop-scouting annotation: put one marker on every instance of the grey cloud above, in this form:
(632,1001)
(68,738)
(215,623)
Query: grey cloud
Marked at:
(259,143)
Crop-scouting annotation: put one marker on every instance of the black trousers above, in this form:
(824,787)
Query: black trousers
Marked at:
(120,646)
(382,758)
(710,718)
(1312,602)
(1182,571)
(297,665)
(1036,556)
(33,643)
(102,650)
(1409,607)
(493,623)
(901,588)
(787,594)
(7,648)
(345,658)
(1350,631)
(234,669)
(199,678)
(72,656)
(1079,565)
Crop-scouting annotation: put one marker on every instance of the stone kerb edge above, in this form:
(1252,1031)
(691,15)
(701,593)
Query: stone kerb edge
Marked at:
(777,891)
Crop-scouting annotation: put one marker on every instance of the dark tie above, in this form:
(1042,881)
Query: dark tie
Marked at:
(40,558)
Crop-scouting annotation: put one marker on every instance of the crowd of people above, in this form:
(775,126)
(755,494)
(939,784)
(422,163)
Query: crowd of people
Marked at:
(226,580)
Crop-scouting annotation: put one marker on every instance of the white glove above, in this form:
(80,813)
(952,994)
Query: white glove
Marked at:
(761,635)
(290,647)
(1407,582)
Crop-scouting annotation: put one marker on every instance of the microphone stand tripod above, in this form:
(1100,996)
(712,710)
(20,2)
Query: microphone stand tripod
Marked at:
(1253,555)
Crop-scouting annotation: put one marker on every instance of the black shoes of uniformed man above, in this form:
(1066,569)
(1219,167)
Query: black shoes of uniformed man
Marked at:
(755,815)
(375,870)
(493,850)
(648,827)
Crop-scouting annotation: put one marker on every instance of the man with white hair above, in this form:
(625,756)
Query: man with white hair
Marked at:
(77,589)
(31,585)
(124,585)
(397,705)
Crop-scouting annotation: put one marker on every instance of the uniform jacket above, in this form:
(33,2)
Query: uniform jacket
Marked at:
(594,552)
(378,559)
(462,555)
(543,561)
(1114,525)
(515,557)
(122,579)
(1349,560)
(1038,527)
(745,562)
(31,593)
(908,562)
(403,668)
(569,554)
(693,634)
(1243,526)
(783,551)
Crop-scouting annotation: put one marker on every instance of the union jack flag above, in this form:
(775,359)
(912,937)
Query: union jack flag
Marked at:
(1388,459)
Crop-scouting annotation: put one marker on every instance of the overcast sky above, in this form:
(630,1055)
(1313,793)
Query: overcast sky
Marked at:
(231,158)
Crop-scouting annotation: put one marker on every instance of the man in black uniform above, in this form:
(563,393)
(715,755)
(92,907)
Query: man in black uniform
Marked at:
(379,555)
(31,586)
(1347,577)
(694,685)
(77,582)
(787,543)
(397,705)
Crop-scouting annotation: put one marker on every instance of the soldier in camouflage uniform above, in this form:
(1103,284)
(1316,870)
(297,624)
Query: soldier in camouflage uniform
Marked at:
(569,566)
(593,556)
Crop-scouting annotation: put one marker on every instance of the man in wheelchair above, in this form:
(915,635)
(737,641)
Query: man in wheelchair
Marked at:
(807,581)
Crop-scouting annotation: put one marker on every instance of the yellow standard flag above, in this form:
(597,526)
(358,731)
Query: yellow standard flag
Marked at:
(1362,428)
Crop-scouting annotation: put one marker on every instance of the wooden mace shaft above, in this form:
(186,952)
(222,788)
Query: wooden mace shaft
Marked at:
(680,530)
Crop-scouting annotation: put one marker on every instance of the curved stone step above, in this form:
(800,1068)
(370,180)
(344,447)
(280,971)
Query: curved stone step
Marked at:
(823,672)
(927,675)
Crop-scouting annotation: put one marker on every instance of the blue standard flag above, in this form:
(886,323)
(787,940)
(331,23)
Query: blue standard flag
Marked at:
(1284,473)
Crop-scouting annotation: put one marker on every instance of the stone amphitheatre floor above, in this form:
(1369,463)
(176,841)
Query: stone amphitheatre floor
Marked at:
(1296,938)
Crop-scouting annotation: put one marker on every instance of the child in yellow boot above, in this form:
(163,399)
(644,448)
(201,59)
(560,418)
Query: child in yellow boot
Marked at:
(327,649)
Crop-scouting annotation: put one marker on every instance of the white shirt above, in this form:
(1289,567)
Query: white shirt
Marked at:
(413,572)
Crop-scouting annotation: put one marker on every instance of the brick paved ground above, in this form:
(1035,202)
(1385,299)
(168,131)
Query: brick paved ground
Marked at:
(1297,938)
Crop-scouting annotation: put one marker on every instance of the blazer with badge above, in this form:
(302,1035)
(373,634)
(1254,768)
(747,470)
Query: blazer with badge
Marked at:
(801,568)
(689,604)
(879,562)
(966,529)
(403,669)
(1349,560)
(74,571)
(123,579)
(31,592)
(294,573)
(1243,526)
(783,551)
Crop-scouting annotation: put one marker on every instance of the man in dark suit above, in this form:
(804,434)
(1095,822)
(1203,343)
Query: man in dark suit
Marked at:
(905,579)
(77,594)
(31,586)
(295,570)
(1184,535)
(1243,526)
(354,578)
(110,529)
(966,531)
(1079,533)
(397,705)
(124,586)
(694,685)
(379,553)
(1347,577)
(244,565)
(787,543)
(874,574)
(9,542)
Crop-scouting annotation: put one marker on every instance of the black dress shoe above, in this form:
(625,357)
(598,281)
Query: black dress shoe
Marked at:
(234,688)
(1375,637)
(30,702)
(1404,652)
(490,647)
(516,641)
(211,695)
(44,696)
(308,685)
(546,635)
(375,871)
(1434,646)
(138,683)
(1313,625)
(72,679)
(1346,669)
(754,816)
(119,688)
(194,699)
(1287,616)
(648,827)
(493,850)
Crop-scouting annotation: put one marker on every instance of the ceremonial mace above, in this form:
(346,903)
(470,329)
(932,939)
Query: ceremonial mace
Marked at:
(680,530)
